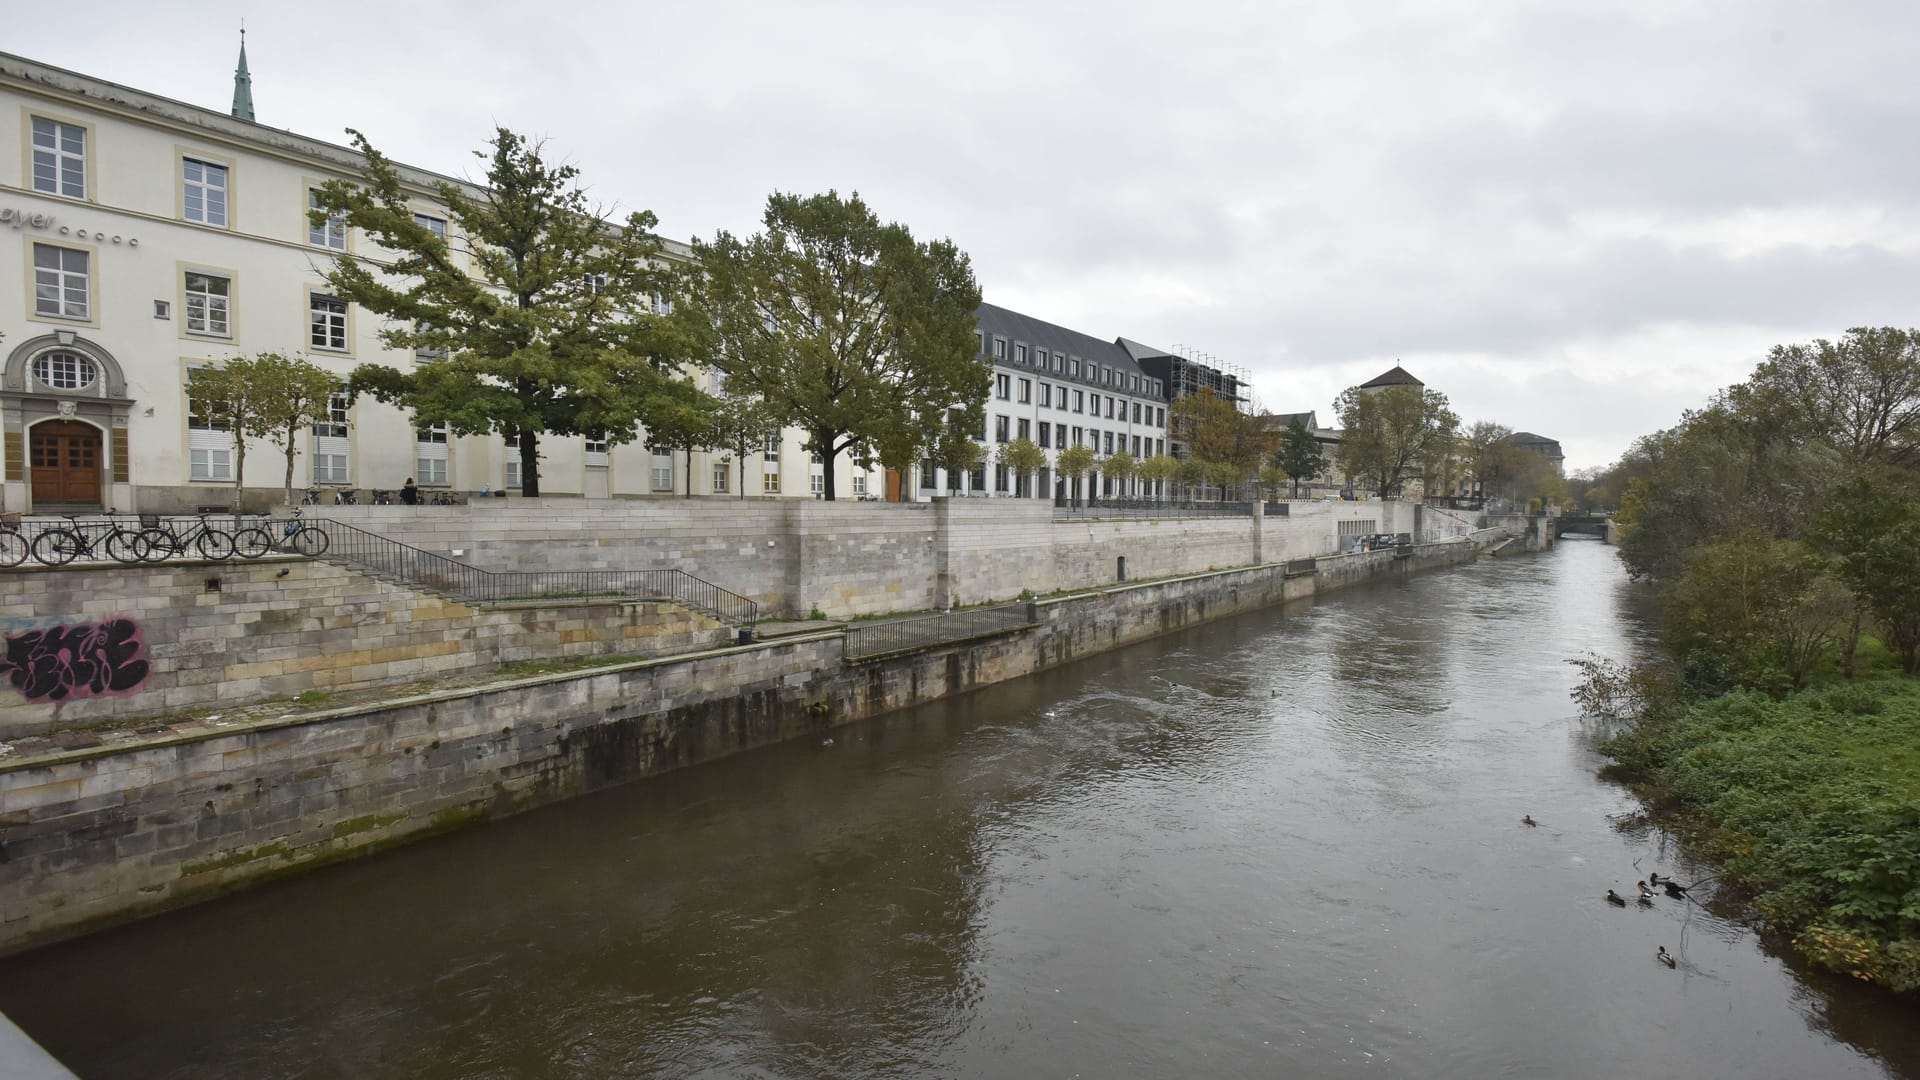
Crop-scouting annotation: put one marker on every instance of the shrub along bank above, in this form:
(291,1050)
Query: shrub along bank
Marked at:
(1809,804)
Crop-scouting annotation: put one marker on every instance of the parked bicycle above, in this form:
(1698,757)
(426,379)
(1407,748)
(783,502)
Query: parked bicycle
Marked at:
(382,497)
(164,540)
(14,548)
(311,498)
(443,498)
(346,497)
(62,544)
(295,536)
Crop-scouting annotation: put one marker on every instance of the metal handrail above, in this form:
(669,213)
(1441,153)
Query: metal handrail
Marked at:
(355,546)
(1067,509)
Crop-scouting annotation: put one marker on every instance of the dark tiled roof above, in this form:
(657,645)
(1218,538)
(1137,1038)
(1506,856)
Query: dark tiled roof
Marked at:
(1141,352)
(1527,439)
(1307,420)
(1399,376)
(997,321)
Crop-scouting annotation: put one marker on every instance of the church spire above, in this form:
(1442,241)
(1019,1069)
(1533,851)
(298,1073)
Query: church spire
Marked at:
(242,83)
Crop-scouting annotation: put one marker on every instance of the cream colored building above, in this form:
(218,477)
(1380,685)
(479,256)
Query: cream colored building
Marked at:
(141,237)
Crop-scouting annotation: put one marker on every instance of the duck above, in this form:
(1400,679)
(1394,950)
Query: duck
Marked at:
(1528,821)
(1645,892)
(1616,899)
(1655,879)
(1666,957)
(1675,889)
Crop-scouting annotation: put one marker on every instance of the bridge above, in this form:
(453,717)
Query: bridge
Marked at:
(1594,525)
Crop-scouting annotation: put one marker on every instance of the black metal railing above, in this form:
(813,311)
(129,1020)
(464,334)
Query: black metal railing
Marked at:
(923,631)
(1277,509)
(1069,510)
(365,550)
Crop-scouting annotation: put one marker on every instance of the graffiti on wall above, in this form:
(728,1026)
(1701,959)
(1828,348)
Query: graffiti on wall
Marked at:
(76,660)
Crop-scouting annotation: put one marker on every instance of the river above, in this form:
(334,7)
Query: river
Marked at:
(1288,844)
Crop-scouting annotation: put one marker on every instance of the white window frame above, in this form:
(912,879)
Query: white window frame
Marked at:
(84,372)
(721,469)
(435,224)
(859,483)
(211,195)
(660,473)
(63,166)
(513,466)
(209,312)
(332,234)
(326,314)
(55,287)
(209,449)
(430,456)
(769,481)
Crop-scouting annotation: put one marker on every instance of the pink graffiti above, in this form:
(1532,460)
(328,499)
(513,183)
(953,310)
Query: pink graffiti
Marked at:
(76,661)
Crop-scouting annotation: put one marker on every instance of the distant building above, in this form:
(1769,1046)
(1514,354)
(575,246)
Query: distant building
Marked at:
(1540,444)
(1395,376)
(1183,376)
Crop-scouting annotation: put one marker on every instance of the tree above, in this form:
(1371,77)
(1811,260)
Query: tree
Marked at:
(957,451)
(683,417)
(1158,470)
(543,321)
(1385,433)
(1749,610)
(1215,430)
(265,396)
(1860,395)
(741,426)
(1022,458)
(848,328)
(1488,453)
(1872,534)
(1193,473)
(1300,455)
(1273,478)
(1073,463)
(1120,466)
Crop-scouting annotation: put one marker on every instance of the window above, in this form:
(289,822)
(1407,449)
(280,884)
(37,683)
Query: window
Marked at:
(1076,438)
(1026,429)
(1136,446)
(329,322)
(1040,359)
(1108,446)
(59,158)
(1073,367)
(859,483)
(1109,406)
(662,469)
(982,334)
(205,192)
(999,348)
(331,233)
(1136,412)
(1019,354)
(1000,428)
(513,465)
(1026,391)
(772,450)
(162,309)
(1046,395)
(1046,435)
(1159,446)
(61,284)
(1002,387)
(1000,478)
(330,442)
(207,299)
(209,448)
(817,483)
(596,283)
(435,225)
(1162,421)
(430,455)
(720,473)
(770,482)
(595,448)
(65,371)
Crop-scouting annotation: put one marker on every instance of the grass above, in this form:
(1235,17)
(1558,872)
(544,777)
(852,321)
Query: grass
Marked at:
(1810,805)
(554,667)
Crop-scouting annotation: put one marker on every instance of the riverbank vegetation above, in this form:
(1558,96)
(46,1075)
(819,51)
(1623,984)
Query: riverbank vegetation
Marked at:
(1780,720)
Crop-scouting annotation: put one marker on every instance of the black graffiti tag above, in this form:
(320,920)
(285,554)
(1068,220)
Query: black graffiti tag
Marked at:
(76,661)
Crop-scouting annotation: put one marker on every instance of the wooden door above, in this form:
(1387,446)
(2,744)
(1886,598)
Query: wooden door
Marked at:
(65,456)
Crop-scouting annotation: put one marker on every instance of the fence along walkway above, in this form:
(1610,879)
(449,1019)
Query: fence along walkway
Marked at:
(922,631)
(355,547)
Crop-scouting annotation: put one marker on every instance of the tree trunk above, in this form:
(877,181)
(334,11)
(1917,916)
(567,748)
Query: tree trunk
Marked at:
(743,474)
(1849,651)
(689,453)
(529,463)
(291,433)
(239,472)
(827,453)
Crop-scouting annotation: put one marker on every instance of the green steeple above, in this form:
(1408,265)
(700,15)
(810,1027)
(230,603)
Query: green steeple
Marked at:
(242,83)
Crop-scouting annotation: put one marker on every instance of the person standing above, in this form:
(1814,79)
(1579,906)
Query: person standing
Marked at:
(410,493)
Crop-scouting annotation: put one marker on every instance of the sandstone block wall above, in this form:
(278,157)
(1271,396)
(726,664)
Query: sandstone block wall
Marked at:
(91,644)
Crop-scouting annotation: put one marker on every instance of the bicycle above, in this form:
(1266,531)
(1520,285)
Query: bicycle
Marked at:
(311,498)
(13,546)
(164,542)
(296,536)
(346,497)
(382,497)
(62,544)
(443,498)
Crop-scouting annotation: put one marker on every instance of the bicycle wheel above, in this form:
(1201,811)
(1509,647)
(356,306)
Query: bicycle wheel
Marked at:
(308,541)
(214,544)
(125,546)
(252,543)
(13,548)
(58,547)
(160,544)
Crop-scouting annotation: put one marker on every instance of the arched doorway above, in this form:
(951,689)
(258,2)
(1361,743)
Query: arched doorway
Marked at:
(65,459)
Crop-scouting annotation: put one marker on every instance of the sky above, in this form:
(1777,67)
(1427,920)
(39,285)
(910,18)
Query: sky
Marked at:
(1573,219)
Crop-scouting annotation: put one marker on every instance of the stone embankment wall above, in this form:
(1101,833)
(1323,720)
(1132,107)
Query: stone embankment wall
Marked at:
(863,558)
(91,644)
(96,835)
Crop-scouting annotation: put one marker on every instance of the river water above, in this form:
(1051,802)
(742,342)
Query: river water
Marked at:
(1287,844)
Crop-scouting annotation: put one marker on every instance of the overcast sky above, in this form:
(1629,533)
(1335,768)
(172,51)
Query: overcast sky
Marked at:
(1577,223)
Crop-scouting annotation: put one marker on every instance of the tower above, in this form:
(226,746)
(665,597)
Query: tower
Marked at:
(242,84)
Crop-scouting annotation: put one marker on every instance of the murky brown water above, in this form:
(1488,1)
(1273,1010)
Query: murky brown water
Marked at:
(1277,846)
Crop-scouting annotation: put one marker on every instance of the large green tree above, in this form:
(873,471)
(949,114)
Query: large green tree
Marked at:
(1386,433)
(846,326)
(741,425)
(540,309)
